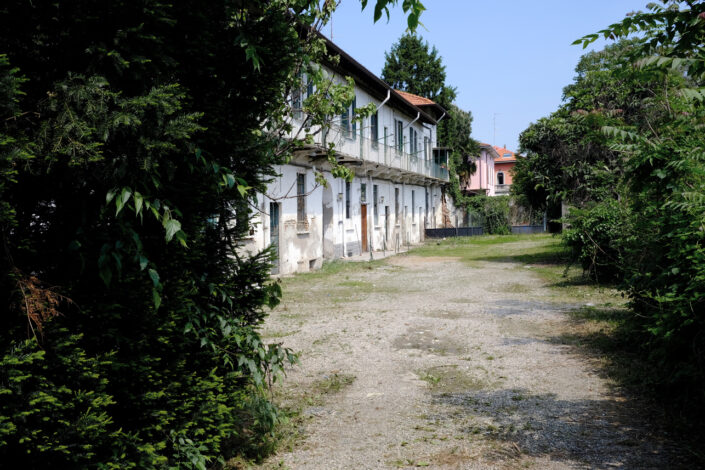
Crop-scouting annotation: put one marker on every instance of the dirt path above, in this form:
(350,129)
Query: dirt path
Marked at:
(432,362)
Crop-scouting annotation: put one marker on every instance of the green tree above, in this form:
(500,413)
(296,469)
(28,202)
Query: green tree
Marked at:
(413,66)
(646,98)
(133,136)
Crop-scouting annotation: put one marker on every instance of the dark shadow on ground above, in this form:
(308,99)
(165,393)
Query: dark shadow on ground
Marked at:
(597,434)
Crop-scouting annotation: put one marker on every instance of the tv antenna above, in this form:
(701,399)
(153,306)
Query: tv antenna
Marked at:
(494,128)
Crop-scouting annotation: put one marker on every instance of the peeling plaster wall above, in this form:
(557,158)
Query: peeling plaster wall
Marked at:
(300,247)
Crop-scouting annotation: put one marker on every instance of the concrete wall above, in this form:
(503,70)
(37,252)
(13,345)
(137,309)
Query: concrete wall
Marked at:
(330,232)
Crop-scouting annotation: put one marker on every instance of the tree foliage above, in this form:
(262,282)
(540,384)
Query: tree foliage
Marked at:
(414,66)
(133,137)
(643,222)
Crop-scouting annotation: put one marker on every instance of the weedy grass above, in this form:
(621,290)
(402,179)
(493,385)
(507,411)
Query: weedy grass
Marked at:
(543,254)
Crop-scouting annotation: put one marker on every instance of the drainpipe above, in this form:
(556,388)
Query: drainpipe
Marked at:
(437,123)
(370,226)
(342,216)
(403,215)
(418,115)
(389,95)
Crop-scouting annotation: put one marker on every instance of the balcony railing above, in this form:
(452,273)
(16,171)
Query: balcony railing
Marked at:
(352,145)
(502,188)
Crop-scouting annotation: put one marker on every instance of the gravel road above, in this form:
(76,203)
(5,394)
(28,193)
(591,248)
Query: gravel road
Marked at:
(430,362)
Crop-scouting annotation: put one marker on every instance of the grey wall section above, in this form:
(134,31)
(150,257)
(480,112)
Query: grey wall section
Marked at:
(453,232)
(527,229)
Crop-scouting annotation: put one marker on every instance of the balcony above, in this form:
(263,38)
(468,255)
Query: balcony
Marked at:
(351,145)
(502,189)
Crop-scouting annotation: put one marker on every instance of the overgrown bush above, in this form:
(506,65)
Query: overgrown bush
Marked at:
(596,236)
(131,144)
(493,213)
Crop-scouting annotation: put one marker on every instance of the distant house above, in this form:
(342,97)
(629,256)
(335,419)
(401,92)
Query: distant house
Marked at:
(482,181)
(503,164)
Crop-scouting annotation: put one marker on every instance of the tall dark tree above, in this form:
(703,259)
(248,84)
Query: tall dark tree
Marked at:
(412,65)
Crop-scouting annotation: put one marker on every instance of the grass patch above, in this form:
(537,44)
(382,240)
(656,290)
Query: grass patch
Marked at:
(543,254)
(451,379)
(333,383)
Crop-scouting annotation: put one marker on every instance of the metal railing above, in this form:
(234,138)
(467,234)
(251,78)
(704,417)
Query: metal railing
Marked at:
(349,143)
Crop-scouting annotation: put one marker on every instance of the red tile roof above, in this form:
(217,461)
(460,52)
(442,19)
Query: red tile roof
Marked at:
(415,99)
(502,152)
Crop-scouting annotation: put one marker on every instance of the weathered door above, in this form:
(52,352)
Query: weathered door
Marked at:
(274,234)
(363,226)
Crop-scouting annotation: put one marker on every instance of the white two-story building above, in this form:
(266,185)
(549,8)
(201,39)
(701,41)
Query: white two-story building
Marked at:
(396,192)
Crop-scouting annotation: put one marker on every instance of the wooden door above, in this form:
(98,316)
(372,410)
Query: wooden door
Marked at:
(274,234)
(363,225)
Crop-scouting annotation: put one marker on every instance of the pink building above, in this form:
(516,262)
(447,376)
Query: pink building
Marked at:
(483,180)
(503,164)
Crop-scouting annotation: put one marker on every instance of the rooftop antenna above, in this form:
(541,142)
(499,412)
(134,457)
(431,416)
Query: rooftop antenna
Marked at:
(494,128)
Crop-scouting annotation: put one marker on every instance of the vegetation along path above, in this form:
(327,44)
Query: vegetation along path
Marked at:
(468,353)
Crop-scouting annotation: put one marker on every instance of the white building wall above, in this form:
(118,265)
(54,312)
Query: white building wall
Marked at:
(330,232)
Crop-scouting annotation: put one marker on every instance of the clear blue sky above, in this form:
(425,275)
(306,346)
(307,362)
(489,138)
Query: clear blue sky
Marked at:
(509,59)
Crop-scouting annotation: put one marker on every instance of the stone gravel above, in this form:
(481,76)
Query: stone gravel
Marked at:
(451,366)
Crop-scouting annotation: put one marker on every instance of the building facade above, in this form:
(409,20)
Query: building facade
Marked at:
(503,164)
(396,192)
(482,181)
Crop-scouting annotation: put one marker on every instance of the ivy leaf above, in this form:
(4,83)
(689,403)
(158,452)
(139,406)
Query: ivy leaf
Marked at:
(138,202)
(242,190)
(155,277)
(156,298)
(124,197)
(172,226)
(143,263)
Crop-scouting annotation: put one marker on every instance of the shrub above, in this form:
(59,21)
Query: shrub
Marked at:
(493,213)
(595,236)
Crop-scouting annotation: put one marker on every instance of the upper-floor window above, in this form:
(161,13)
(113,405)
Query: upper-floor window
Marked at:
(352,114)
(413,141)
(347,123)
(426,145)
(507,155)
(374,129)
(399,135)
(363,193)
(500,178)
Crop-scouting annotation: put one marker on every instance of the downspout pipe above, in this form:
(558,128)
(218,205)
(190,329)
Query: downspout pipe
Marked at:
(418,115)
(389,95)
